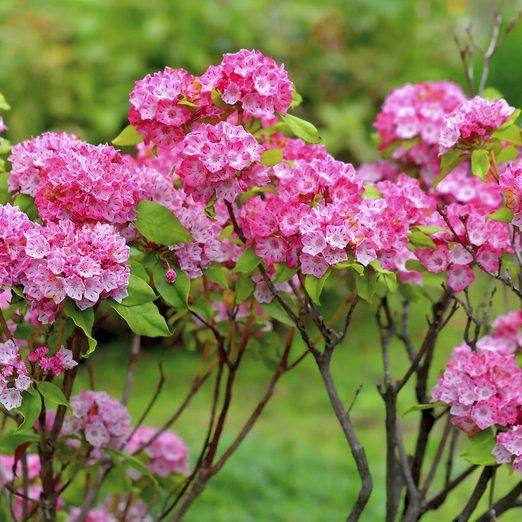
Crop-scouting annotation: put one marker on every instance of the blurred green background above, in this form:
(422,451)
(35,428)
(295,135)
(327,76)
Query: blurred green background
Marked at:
(70,64)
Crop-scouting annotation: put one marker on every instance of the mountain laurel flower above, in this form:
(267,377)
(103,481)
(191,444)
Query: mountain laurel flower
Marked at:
(510,181)
(508,449)
(254,81)
(214,160)
(473,121)
(74,180)
(14,378)
(483,389)
(85,263)
(103,421)
(168,454)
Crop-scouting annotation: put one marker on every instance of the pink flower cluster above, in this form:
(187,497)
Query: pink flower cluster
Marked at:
(478,240)
(312,219)
(13,225)
(102,420)
(508,449)
(54,365)
(86,263)
(11,470)
(157,184)
(510,181)
(94,515)
(212,158)
(483,388)
(506,336)
(163,103)
(473,122)
(170,103)
(417,110)
(115,508)
(416,113)
(256,82)
(14,378)
(167,453)
(71,179)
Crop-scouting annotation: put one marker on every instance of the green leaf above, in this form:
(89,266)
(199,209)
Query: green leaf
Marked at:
(138,270)
(159,225)
(139,292)
(503,214)
(366,284)
(83,319)
(511,120)
(26,204)
(129,136)
(184,101)
(283,273)
(448,162)
(10,441)
(433,280)
(5,146)
(132,462)
(297,99)
(4,106)
(30,409)
(430,229)
(247,262)
(277,312)
(244,288)
(479,448)
(371,192)
(314,287)
(421,240)
(4,191)
(507,154)
(271,157)
(144,319)
(491,93)
(420,407)
(52,394)
(356,267)
(217,274)
(174,294)
(415,264)
(302,129)
(510,133)
(480,163)
(388,280)
(217,100)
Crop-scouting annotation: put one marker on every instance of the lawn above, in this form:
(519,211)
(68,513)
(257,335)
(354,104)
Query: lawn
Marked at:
(295,465)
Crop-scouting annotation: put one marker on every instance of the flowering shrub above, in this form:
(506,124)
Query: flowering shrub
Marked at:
(225,220)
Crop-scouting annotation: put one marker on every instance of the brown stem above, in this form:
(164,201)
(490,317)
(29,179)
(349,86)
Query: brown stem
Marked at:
(357,450)
(479,490)
(507,502)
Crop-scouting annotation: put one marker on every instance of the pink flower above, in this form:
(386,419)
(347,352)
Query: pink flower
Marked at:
(103,420)
(459,277)
(509,447)
(167,454)
(211,157)
(14,378)
(170,276)
(255,82)
(472,121)
(483,388)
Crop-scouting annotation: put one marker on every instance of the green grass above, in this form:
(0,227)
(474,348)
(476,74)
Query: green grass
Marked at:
(295,465)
